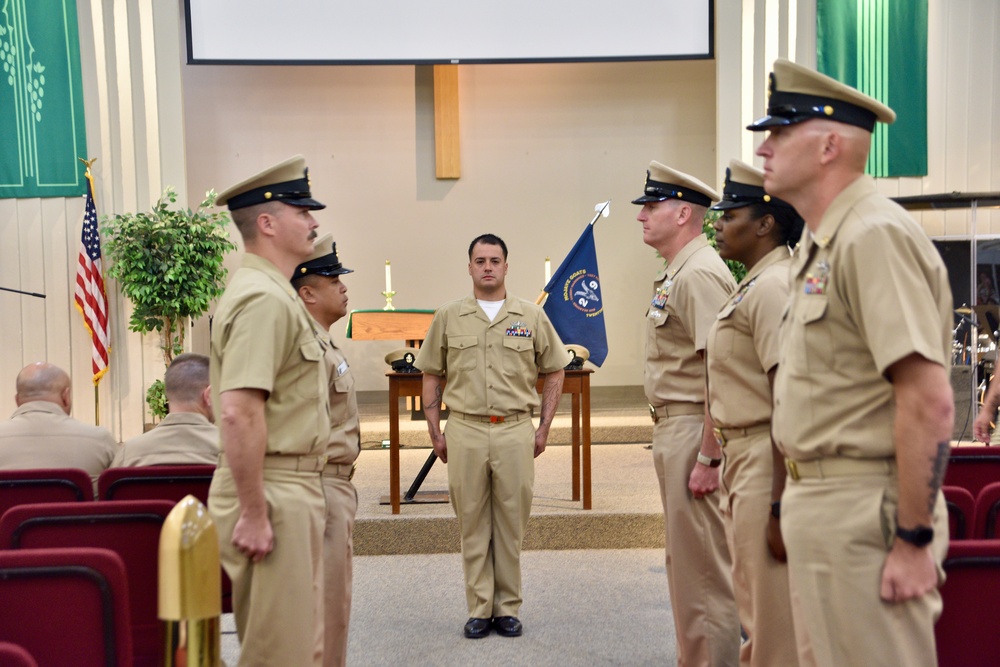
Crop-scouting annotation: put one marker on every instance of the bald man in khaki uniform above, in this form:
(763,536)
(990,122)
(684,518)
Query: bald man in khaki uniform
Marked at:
(491,347)
(41,434)
(687,295)
(187,435)
(863,405)
(270,385)
(318,283)
(756,230)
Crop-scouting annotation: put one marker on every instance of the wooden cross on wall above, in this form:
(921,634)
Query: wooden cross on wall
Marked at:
(447,157)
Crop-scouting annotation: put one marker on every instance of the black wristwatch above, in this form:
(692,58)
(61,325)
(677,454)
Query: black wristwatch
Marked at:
(920,536)
(776,509)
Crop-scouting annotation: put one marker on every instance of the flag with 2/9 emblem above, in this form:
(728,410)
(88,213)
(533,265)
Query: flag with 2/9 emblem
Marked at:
(91,299)
(575,304)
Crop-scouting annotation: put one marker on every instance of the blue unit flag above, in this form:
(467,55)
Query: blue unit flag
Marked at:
(575,304)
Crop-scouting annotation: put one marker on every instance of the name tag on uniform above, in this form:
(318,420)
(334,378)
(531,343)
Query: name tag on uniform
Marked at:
(342,367)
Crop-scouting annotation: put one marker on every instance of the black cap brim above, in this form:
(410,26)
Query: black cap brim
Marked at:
(767,122)
(646,199)
(331,272)
(725,204)
(305,202)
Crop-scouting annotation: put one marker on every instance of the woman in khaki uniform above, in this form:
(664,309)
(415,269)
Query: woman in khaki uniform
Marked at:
(742,357)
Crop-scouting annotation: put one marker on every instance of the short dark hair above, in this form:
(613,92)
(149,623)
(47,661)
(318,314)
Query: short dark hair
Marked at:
(489,239)
(787,220)
(186,378)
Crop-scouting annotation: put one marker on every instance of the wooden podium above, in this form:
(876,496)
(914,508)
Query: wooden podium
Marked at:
(576,383)
(407,325)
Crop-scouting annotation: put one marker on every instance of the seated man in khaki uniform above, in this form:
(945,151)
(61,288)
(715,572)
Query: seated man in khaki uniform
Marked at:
(41,434)
(863,407)
(187,435)
(270,391)
(318,283)
(491,347)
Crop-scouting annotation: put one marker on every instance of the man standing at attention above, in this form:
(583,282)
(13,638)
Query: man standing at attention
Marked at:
(687,295)
(491,347)
(270,385)
(863,406)
(317,281)
(187,435)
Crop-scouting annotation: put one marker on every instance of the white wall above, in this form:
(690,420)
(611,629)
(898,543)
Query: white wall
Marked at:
(540,145)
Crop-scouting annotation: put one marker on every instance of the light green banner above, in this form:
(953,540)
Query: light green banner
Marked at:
(880,48)
(41,100)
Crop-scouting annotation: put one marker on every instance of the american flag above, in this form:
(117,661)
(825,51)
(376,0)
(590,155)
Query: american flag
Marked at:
(91,299)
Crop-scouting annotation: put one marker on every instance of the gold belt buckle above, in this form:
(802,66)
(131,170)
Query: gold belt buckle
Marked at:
(793,469)
(652,413)
(719,437)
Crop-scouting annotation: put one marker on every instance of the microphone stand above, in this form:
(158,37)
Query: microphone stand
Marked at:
(17,291)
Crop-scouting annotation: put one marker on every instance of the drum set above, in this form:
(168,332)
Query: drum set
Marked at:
(974,342)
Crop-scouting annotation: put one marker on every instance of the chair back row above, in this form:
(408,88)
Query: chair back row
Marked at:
(973,517)
(968,632)
(972,468)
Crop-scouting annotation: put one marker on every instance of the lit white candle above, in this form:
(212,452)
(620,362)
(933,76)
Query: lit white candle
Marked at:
(388,277)
(548,270)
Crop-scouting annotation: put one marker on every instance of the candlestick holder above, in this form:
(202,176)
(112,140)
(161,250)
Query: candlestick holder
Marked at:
(388,300)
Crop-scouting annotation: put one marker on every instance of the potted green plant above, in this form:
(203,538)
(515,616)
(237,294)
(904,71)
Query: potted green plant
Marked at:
(169,263)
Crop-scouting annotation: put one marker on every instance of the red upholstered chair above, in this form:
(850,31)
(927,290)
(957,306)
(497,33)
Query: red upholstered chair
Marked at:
(12,655)
(961,512)
(66,606)
(987,510)
(968,632)
(46,485)
(972,471)
(167,483)
(155,483)
(129,528)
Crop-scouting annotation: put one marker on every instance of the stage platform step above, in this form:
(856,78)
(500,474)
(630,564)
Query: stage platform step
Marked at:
(626,510)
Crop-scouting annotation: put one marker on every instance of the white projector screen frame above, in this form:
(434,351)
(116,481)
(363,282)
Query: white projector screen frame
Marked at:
(297,32)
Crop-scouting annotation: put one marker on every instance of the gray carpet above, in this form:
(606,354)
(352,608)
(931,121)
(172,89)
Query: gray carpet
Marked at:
(582,608)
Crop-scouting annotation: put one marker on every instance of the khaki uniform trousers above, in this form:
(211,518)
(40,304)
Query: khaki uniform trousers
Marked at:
(338,553)
(838,532)
(491,475)
(278,602)
(760,582)
(698,564)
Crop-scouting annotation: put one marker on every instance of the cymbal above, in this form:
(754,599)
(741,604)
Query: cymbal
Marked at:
(963,311)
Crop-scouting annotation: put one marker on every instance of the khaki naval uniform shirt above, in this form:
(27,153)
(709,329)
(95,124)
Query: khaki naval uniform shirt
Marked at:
(40,435)
(743,345)
(868,289)
(492,367)
(263,338)
(678,321)
(182,438)
(345,428)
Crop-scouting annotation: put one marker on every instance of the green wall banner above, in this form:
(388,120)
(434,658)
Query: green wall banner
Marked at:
(880,48)
(41,100)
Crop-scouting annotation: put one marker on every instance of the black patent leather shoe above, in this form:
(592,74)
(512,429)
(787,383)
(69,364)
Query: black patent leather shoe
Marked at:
(507,626)
(477,628)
